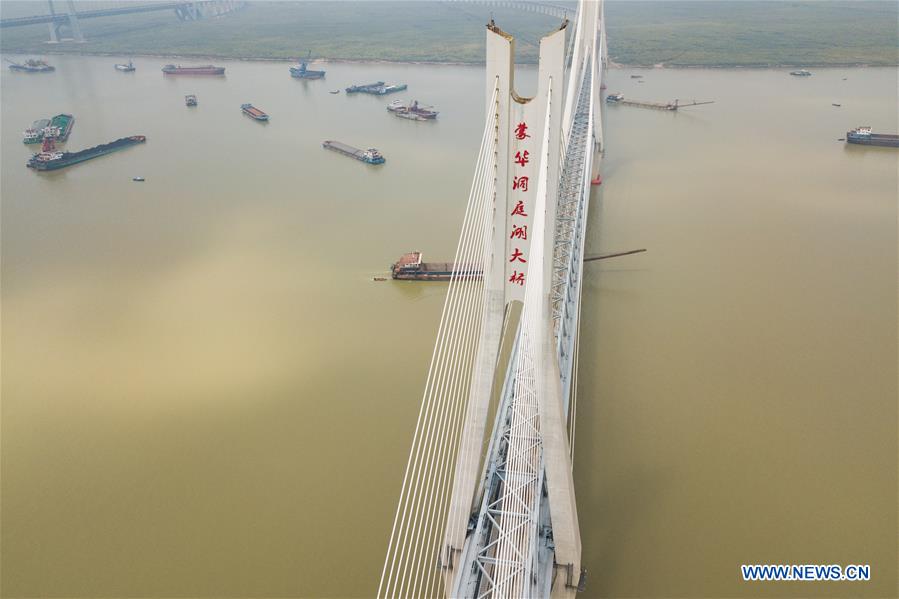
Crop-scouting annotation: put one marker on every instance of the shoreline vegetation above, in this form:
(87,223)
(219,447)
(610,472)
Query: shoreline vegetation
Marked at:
(188,59)
(758,34)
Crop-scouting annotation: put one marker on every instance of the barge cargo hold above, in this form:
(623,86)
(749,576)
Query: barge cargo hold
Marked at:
(863,136)
(61,126)
(49,159)
(253,112)
(410,268)
(369,156)
(171,69)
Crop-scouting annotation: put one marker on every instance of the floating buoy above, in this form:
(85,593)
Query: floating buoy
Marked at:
(597,180)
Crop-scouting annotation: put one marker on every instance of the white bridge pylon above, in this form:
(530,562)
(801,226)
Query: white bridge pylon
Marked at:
(495,515)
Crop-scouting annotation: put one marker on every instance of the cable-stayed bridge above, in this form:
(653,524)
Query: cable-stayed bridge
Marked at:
(494,515)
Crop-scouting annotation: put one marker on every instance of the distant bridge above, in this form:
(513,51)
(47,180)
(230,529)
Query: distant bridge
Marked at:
(184,10)
(558,11)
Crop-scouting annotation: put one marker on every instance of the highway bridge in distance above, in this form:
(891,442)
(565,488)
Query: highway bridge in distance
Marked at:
(185,11)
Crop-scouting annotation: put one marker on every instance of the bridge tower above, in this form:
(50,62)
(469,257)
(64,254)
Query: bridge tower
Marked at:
(495,515)
(71,20)
(528,135)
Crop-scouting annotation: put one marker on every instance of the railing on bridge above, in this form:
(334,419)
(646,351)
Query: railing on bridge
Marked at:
(503,522)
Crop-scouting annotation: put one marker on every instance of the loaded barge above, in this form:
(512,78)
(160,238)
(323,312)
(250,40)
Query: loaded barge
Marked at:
(864,137)
(369,156)
(378,88)
(413,111)
(171,69)
(253,112)
(50,159)
(31,66)
(410,268)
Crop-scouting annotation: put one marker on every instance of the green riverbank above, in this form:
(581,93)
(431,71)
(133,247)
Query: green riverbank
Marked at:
(690,33)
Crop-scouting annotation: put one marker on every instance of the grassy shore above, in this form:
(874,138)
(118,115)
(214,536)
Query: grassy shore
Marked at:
(684,33)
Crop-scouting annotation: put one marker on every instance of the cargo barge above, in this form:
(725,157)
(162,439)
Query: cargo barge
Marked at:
(863,136)
(303,72)
(58,128)
(171,69)
(31,66)
(410,268)
(369,156)
(50,159)
(378,88)
(413,111)
(253,112)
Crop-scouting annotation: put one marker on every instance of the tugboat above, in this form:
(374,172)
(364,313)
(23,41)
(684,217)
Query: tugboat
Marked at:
(863,136)
(35,133)
(190,100)
(801,73)
(369,156)
(302,72)
(125,68)
(171,69)
(58,128)
(253,112)
(50,158)
(31,66)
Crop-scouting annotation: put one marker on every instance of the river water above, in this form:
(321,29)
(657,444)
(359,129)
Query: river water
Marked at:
(205,394)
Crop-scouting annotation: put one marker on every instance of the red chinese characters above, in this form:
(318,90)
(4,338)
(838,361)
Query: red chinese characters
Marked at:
(521,131)
(519,228)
